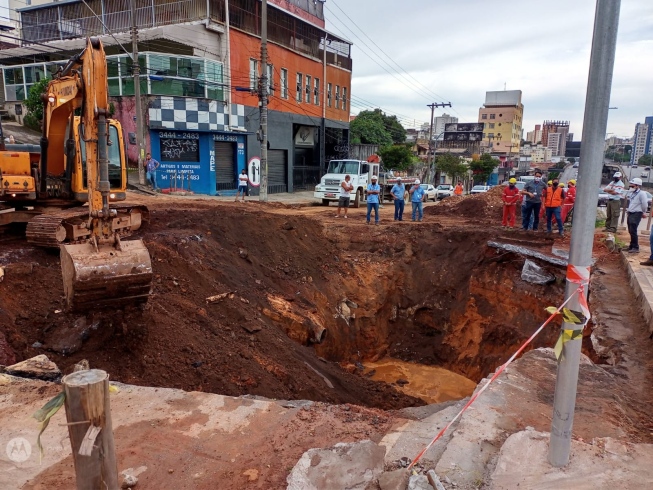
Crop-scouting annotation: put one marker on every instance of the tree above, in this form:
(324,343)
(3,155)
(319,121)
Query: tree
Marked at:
(645,160)
(451,165)
(397,157)
(369,129)
(34,104)
(394,128)
(571,160)
(483,167)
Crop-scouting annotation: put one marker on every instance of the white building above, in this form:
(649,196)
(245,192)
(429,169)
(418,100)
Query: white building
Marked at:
(439,125)
(639,142)
(553,143)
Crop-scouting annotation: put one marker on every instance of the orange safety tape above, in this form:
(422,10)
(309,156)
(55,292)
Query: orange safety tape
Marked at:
(579,291)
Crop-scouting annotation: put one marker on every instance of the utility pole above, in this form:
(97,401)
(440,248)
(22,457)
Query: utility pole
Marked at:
(136,68)
(431,142)
(595,121)
(263,96)
(324,104)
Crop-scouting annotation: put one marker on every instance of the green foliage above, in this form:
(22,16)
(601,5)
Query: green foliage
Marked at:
(628,149)
(571,160)
(112,109)
(645,160)
(32,122)
(396,157)
(483,167)
(376,128)
(34,104)
(451,165)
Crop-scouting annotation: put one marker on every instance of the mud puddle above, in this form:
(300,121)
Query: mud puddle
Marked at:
(429,383)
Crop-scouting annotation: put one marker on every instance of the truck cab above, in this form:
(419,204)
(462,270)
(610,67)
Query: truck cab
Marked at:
(361,172)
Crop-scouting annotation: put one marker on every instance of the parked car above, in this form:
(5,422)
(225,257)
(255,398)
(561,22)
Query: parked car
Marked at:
(643,175)
(520,185)
(575,165)
(478,189)
(444,190)
(429,190)
(603,197)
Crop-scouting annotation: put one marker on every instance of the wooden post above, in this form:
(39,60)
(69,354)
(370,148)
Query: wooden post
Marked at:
(89,426)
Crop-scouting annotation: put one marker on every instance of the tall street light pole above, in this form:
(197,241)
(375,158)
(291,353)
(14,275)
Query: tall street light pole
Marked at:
(595,122)
(263,95)
(136,67)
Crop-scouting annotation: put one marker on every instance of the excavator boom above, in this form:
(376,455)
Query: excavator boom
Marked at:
(102,270)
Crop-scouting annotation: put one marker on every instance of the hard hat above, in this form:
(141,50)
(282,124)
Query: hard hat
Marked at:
(550,182)
(572,182)
(398,179)
(512,181)
(374,177)
(636,181)
(561,184)
(416,181)
(617,174)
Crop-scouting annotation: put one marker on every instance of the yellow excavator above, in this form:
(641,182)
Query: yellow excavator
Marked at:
(68,195)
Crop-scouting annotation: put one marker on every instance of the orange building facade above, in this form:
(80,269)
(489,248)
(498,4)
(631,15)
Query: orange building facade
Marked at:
(308,118)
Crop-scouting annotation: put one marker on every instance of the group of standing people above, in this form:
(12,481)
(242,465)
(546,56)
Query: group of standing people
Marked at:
(557,203)
(399,192)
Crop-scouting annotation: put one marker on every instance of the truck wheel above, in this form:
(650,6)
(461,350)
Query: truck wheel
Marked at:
(357,199)
(325,202)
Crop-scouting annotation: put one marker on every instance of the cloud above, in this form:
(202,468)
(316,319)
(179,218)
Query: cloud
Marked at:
(456,51)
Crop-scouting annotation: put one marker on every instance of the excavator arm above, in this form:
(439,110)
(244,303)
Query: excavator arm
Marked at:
(103,270)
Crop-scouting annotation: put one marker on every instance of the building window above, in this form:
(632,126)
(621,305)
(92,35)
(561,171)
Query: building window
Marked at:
(344,98)
(492,116)
(316,92)
(491,125)
(300,87)
(253,74)
(483,116)
(329,94)
(308,89)
(337,96)
(490,135)
(284,83)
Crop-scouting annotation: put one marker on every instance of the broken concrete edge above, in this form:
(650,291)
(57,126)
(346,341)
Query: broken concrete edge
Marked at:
(642,287)
(528,253)
(141,188)
(38,367)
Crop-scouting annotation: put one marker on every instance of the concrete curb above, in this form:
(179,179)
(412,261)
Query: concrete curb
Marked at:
(641,280)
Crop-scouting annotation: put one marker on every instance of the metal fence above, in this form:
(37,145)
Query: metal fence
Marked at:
(74,20)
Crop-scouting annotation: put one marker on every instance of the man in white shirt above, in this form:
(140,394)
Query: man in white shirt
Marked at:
(243,179)
(614,189)
(345,195)
(636,208)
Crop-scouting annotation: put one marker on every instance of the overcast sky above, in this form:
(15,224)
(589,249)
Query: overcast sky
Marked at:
(459,49)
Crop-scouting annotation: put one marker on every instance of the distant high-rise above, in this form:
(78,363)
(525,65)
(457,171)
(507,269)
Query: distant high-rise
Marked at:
(642,140)
(552,127)
(439,124)
(502,114)
(535,136)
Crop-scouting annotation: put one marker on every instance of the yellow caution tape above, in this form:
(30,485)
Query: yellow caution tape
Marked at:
(566,336)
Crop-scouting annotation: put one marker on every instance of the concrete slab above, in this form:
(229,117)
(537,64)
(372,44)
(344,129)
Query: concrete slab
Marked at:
(641,280)
(603,464)
(348,466)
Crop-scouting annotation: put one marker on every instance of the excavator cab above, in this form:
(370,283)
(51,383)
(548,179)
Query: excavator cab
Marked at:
(99,269)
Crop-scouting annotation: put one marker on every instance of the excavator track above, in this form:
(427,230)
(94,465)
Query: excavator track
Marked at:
(49,230)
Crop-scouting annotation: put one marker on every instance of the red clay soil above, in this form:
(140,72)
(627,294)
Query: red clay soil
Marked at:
(483,206)
(432,293)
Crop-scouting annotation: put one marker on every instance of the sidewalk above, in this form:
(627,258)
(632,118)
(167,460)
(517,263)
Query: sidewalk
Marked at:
(640,276)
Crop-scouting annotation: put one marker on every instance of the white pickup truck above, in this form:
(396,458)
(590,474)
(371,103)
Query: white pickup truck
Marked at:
(328,190)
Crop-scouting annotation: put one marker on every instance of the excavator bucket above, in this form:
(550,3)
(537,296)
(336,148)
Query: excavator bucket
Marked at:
(108,277)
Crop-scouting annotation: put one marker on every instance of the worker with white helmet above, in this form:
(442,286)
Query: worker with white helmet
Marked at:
(637,206)
(615,190)
(373,191)
(416,199)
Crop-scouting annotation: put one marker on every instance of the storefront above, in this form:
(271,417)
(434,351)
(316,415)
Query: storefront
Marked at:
(196,151)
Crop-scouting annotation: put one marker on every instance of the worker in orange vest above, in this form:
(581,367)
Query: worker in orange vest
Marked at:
(458,191)
(543,208)
(510,198)
(553,198)
(570,199)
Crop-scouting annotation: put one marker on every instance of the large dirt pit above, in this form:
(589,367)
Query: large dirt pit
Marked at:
(292,304)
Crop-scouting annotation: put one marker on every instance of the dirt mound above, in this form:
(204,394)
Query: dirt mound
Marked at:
(487,205)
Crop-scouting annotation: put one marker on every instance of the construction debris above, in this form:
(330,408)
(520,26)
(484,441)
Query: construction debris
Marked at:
(39,367)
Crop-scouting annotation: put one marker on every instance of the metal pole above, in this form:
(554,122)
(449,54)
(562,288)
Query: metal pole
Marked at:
(263,195)
(227,64)
(431,159)
(595,122)
(138,108)
(324,104)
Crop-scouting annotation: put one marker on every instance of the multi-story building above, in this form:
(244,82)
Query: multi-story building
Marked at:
(555,127)
(200,70)
(536,153)
(439,124)
(535,136)
(502,114)
(642,140)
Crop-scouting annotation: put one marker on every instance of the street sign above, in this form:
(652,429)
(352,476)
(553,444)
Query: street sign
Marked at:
(254,171)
